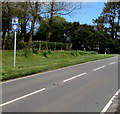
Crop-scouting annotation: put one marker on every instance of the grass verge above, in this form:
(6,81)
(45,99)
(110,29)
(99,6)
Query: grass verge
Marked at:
(29,62)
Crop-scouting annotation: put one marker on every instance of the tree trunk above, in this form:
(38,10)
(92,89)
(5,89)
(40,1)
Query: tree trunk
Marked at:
(23,28)
(51,20)
(34,14)
(32,30)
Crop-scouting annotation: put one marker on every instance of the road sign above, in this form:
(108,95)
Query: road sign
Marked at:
(14,27)
(15,24)
(15,20)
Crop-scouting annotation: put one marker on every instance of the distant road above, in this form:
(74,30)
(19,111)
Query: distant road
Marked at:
(81,88)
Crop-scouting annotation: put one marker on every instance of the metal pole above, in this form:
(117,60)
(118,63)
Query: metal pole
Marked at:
(15,49)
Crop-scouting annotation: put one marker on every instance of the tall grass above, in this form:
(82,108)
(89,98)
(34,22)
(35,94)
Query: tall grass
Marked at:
(34,61)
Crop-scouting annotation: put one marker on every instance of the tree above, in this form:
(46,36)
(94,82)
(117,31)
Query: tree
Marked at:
(84,38)
(110,18)
(34,13)
(57,30)
(9,11)
(54,8)
(23,19)
(6,17)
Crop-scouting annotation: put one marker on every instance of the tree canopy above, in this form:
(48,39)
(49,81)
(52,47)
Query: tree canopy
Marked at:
(110,19)
(42,21)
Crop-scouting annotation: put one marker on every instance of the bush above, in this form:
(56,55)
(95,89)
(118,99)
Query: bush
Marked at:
(43,45)
(35,51)
(81,53)
(49,51)
(74,53)
(25,53)
(29,45)
(94,52)
(8,42)
(21,45)
(51,45)
(37,45)
(45,54)
(84,52)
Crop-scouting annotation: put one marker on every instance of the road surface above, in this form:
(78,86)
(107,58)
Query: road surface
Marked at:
(80,88)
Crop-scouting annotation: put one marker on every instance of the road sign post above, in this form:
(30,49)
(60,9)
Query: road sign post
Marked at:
(15,49)
(15,29)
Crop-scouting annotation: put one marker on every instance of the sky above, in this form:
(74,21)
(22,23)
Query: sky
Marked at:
(88,12)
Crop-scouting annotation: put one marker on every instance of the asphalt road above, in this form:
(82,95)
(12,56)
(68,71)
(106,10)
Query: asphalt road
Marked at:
(80,88)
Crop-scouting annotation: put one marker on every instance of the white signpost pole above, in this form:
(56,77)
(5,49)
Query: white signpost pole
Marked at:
(15,49)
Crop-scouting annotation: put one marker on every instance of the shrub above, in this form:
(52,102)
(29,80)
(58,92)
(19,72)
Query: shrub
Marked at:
(59,46)
(8,42)
(21,45)
(35,51)
(81,52)
(43,45)
(37,45)
(74,53)
(29,45)
(25,53)
(45,54)
(49,51)
(51,45)
(94,52)
(84,52)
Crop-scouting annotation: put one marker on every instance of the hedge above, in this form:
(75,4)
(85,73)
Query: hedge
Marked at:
(39,45)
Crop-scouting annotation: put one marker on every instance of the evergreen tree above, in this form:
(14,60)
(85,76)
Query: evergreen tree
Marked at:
(110,18)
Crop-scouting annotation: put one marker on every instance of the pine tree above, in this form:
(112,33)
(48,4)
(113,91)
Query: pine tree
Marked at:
(110,19)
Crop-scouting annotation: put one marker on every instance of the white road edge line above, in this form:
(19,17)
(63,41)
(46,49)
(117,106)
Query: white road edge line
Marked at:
(112,63)
(110,102)
(22,97)
(99,68)
(74,77)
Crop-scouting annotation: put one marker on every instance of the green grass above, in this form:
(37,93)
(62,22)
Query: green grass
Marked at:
(31,62)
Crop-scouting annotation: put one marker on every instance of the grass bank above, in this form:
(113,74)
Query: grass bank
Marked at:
(31,62)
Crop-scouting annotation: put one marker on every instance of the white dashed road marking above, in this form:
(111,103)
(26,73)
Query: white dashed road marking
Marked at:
(99,68)
(74,77)
(112,63)
(22,97)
